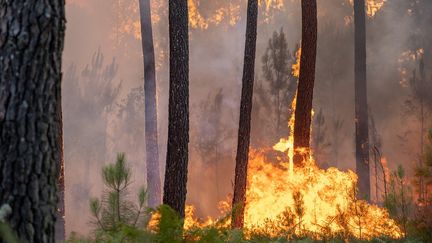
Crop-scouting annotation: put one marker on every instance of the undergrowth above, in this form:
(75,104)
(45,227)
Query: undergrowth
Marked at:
(117,219)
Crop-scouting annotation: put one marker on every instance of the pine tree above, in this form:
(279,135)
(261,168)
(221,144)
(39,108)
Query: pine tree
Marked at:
(151,131)
(276,67)
(178,114)
(303,109)
(115,210)
(361,107)
(31,46)
(242,157)
(90,98)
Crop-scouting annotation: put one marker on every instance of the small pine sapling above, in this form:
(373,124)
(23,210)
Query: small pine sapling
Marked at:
(115,214)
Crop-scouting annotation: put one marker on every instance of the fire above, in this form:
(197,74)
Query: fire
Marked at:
(271,3)
(372,6)
(231,13)
(285,201)
(282,200)
(386,169)
(311,198)
(296,65)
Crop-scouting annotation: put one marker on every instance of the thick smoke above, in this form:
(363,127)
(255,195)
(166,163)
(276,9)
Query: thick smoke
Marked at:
(103,104)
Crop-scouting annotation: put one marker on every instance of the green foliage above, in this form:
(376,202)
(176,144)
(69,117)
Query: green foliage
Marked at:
(116,217)
(170,228)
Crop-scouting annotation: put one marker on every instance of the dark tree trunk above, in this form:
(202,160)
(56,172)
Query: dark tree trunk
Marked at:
(242,157)
(31,45)
(305,87)
(178,111)
(151,127)
(60,229)
(361,112)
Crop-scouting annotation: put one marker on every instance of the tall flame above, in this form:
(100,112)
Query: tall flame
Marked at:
(282,200)
(308,198)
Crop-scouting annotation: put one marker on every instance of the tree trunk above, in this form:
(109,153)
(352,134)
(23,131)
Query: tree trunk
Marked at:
(306,82)
(178,112)
(242,157)
(151,127)
(361,113)
(31,45)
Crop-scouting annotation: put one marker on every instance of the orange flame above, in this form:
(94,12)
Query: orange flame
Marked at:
(231,13)
(373,6)
(308,199)
(296,65)
(196,20)
(282,200)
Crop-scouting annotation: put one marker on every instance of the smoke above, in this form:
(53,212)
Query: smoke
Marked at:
(92,138)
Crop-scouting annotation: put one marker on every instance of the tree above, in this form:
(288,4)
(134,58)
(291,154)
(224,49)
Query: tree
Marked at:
(31,45)
(276,67)
(116,210)
(212,133)
(306,82)
(375,151)
(178,111)
(242,157)
(89,100)
(151,131)
(361,107)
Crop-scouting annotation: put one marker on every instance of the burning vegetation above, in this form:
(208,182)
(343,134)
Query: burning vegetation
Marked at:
(282,199)
(303,154)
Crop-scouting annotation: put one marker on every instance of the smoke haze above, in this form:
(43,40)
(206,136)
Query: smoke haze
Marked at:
(103,80)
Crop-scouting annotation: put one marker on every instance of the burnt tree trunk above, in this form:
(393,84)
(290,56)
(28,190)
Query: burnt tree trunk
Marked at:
(178,111)
(151,127)
(242,157)
(31,45)
(361,110)
(305,87)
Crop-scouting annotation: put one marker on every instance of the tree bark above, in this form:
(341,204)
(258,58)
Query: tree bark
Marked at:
(361,112)
(305,87)
(31,45)
(242,157)
(178,111)
(151,126)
